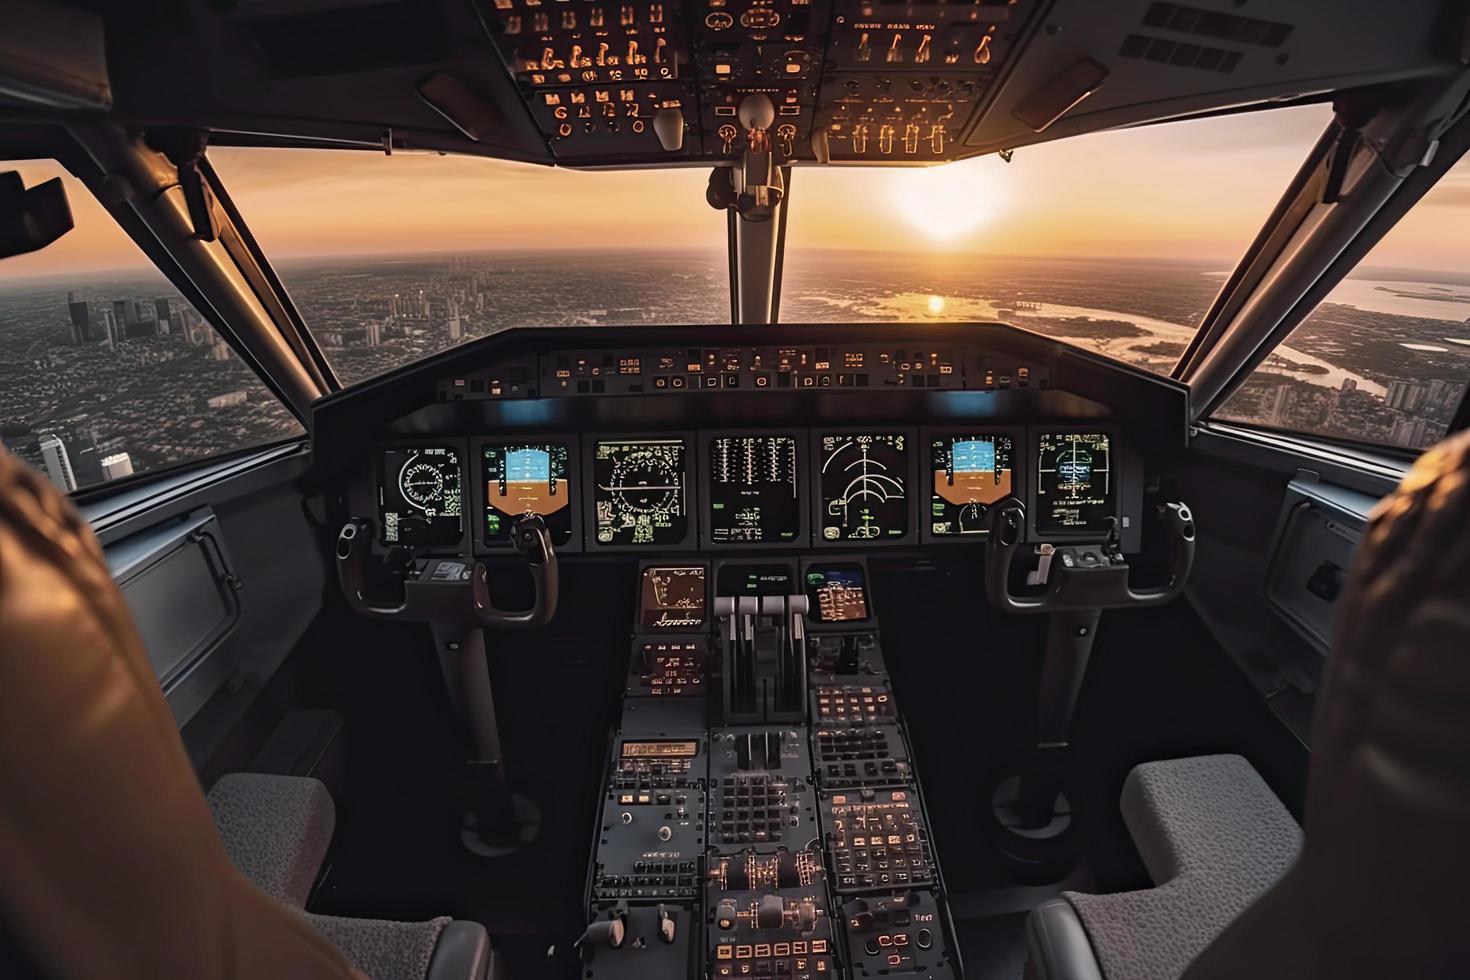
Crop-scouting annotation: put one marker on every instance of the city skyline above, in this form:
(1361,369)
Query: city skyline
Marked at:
(118,377)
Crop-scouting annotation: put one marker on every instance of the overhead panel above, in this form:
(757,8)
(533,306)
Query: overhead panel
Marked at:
(874,82)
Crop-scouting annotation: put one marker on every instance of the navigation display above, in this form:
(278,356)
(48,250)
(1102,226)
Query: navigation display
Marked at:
(526,478)
(419,496)
(672,598)
(753,490)
(1075,486)
(864,486)
(641,491)
(837,593)
(971,474)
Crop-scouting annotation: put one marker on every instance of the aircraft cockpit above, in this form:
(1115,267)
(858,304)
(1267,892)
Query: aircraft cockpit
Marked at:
(733,489)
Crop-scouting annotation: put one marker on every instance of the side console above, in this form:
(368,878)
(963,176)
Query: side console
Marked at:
(762,816)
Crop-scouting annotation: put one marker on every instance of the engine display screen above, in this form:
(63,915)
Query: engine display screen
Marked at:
(1075,484)
(753,496)
(641,491)
(671,597)
(864,486)
(837,593)
(971,474)
(419,496)
(526,478)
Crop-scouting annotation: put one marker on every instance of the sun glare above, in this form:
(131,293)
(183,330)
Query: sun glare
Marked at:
(936,305)
(945,202)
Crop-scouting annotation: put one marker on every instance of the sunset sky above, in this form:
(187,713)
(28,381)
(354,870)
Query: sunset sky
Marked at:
(1194,190)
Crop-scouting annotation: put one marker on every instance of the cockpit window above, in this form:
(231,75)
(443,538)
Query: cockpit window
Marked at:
(1386,356)
(105,370)
(1117,241)
(393,258)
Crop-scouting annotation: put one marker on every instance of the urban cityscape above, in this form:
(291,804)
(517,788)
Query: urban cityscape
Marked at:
(102,377)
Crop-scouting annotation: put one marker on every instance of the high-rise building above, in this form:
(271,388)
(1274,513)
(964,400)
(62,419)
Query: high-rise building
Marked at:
(57,463)
(81,319)
(196,331)
(1406,396)
(1349,384)
(116,466)
(228,399)
(456,330)
(120,314)
(109,328)
(219,350)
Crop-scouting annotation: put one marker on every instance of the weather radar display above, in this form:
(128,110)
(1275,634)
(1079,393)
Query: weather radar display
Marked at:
(972,473)
(419,499)
(1075,487)
(641,494)
(753,496)
(864,484)
(526,478)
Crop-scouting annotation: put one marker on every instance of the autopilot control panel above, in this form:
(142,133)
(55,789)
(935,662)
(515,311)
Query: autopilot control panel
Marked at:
(762,814)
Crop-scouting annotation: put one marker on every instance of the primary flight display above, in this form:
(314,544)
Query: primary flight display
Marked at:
(971,474)
(526,478)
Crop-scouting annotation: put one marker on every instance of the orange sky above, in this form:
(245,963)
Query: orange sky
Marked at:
(1194,190)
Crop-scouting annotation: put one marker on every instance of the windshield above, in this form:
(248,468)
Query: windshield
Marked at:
(1115,241)
(392,258)
(106,371)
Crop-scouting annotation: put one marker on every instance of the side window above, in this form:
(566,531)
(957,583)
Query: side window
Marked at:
(1385,358)
(105,370)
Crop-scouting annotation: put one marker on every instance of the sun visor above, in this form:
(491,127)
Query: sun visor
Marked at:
(53,57)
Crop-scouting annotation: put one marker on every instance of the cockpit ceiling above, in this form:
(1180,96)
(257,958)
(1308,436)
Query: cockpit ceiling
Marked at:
(646,83)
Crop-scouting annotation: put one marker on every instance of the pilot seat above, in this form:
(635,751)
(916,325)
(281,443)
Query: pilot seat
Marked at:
(1375,887)
(113,865)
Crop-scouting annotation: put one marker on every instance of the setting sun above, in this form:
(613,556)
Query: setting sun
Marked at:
(936,305)
(946,202)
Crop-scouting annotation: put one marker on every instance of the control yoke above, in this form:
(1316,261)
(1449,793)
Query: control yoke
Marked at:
(451,590)
(1083,576)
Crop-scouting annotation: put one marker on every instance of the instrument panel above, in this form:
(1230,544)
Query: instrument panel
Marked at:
(823,488)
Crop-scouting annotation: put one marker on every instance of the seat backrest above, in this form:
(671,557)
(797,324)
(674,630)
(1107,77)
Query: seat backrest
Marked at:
(112,867)
(1382,885)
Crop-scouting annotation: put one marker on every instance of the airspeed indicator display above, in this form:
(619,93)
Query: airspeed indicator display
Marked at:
(864,486)
(419,496)
(1075,484)
(641,491)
